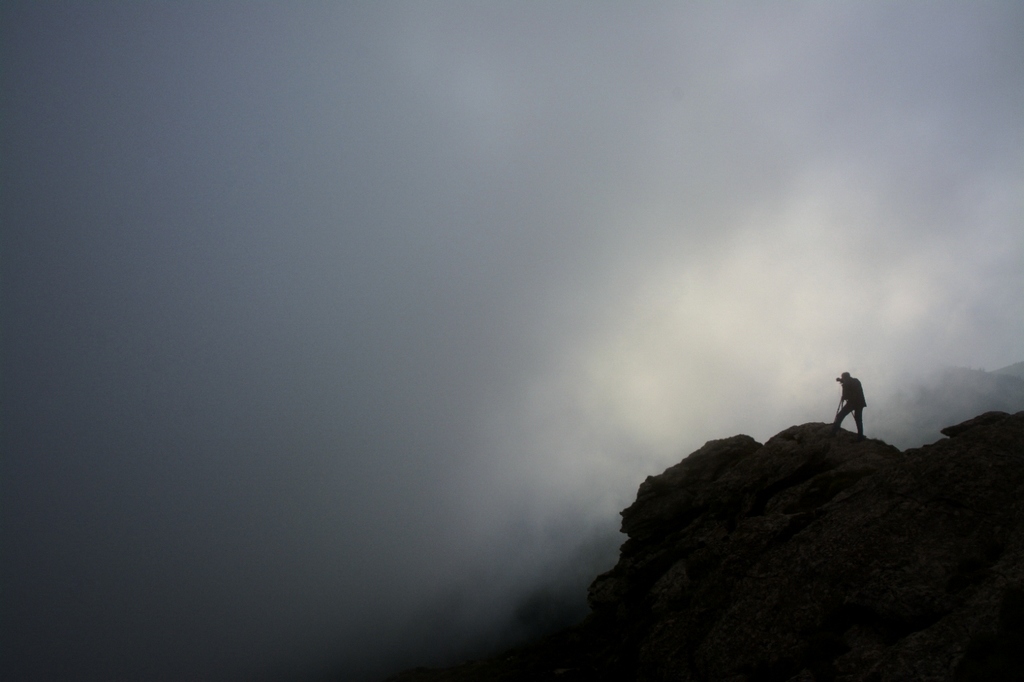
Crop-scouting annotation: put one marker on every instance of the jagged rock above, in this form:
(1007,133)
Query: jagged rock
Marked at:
(808,558)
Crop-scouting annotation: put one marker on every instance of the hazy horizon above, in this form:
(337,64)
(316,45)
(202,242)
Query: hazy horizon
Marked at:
(322,319)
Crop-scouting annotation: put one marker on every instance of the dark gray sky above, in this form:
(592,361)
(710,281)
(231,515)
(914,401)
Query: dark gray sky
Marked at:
(315,315)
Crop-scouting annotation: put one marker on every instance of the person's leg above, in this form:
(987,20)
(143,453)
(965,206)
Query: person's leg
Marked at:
(858,416)
(840,417)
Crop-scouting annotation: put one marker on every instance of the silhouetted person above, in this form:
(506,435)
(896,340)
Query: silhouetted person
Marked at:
(852,401)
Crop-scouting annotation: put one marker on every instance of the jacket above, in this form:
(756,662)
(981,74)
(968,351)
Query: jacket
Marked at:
(853,393)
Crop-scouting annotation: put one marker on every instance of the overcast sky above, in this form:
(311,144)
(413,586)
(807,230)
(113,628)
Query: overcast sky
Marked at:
(318,315)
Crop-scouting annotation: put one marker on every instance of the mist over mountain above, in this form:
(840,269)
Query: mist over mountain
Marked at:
(813,557)
(914,417)
(335,335)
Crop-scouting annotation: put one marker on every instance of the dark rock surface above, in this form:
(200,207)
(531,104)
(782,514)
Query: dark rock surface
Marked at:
(807,558)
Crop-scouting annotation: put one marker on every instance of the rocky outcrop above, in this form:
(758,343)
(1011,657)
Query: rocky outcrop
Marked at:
(809,557)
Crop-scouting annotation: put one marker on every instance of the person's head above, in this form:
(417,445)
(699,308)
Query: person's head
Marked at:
(843,377)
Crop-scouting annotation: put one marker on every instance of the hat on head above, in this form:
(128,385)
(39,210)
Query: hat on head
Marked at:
(844,375)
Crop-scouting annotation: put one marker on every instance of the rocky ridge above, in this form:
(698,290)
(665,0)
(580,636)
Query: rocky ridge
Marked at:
(807,558)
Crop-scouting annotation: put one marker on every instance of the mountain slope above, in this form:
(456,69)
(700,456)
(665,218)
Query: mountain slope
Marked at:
(809,557)
(1014,370)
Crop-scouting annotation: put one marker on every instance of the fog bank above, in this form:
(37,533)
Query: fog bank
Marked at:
(332,333)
